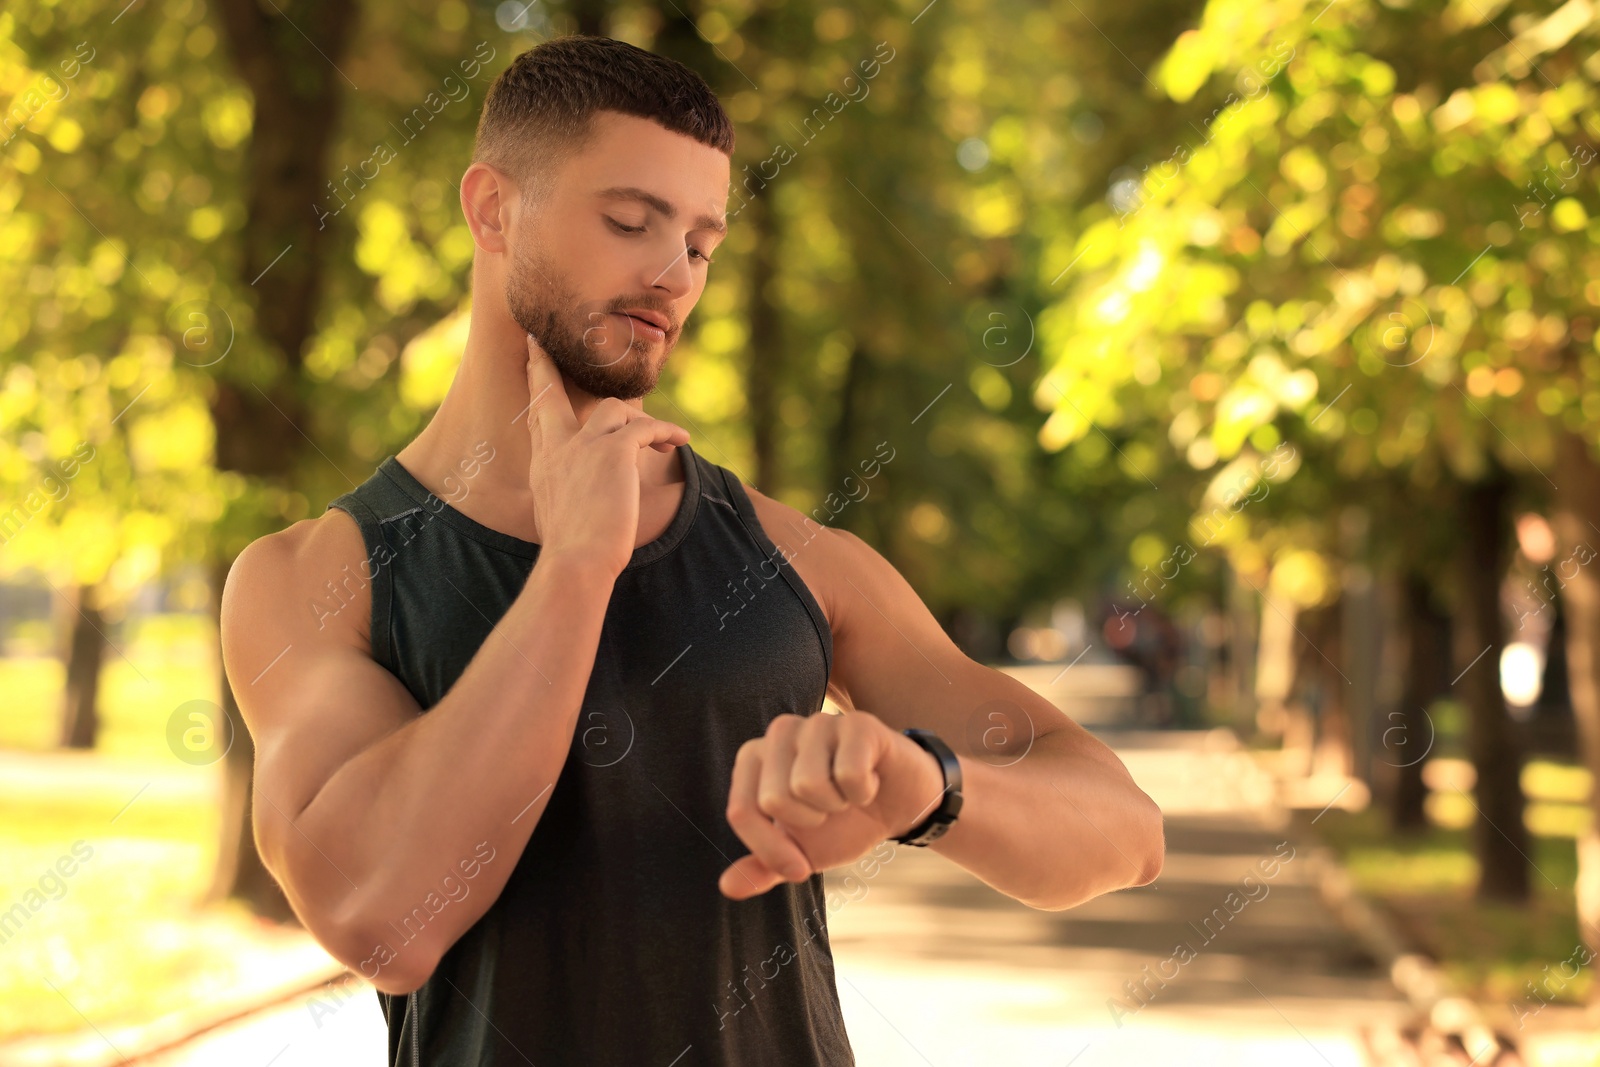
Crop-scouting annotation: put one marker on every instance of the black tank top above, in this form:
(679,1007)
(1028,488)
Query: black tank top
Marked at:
(611,945)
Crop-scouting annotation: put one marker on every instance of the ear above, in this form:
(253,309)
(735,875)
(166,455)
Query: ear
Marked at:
(489,200)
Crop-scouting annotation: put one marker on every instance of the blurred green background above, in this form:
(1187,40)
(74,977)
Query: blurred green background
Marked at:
(1245,346)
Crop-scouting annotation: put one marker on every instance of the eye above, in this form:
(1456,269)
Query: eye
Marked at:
(623,228)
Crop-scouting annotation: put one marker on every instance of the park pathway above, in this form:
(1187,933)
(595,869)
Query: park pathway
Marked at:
(936,969)
(1233,959)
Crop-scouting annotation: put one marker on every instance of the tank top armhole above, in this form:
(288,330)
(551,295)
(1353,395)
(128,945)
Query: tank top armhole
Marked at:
(752,523)
(382,581)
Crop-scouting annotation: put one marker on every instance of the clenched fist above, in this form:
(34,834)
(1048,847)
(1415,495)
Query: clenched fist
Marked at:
(820,791)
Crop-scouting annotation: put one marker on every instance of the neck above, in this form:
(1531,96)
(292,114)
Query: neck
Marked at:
(489,402)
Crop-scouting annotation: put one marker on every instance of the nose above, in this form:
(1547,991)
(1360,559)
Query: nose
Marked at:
(676,279)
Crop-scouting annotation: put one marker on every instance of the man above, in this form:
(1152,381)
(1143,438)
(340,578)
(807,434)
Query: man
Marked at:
(602,842)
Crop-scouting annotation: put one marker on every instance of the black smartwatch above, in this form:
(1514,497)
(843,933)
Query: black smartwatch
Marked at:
(934,826)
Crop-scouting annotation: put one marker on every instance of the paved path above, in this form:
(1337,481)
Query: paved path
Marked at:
(938,970)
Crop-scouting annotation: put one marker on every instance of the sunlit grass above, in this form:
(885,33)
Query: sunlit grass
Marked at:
(1427,881)
(1546,780)
(122,937)
(30,715)
(152,668)
(1557,796)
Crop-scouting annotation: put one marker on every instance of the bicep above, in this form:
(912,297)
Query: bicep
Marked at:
(310,694)
(893,659)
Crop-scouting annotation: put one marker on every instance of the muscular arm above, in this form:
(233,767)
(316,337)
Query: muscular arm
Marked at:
(1050,816)
(370,813)
(363,806)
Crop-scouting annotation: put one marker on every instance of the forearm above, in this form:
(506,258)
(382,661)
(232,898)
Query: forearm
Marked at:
(469,778)
(1059,826)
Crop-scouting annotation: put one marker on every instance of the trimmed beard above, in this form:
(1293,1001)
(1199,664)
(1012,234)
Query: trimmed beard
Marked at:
(545,306)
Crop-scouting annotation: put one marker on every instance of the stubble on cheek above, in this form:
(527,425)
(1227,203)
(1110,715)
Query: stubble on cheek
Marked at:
(578,337)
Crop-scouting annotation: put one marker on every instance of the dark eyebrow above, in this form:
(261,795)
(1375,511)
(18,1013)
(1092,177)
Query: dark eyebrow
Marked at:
(666,210)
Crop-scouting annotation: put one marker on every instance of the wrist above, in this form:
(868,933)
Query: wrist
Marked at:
(578,565)
(926,793)
(938,812)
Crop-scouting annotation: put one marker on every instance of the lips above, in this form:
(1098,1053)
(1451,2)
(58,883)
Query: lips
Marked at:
(648,318)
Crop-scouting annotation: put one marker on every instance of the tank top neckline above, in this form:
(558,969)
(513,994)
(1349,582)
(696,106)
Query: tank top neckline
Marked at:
(644,554)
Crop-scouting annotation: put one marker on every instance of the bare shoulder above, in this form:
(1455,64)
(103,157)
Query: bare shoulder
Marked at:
(874,613)
(306,582)
(296,610)
(828,559)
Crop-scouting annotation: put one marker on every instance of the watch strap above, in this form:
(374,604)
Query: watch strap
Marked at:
(939,820)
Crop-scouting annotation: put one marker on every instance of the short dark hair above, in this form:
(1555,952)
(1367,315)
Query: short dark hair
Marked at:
(543,104)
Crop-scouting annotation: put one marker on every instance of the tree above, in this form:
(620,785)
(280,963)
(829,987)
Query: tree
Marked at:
(101,457)
(246,318)
(385,256)
(1576,517)
(1377,242)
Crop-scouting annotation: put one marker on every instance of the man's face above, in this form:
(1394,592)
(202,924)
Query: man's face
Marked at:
(613,257)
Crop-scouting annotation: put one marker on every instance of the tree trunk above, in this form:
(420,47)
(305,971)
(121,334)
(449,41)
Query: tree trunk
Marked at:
(1276,664)
(1244,621)
(679,38)
(766,343)
(844,443)
(298,89)
(80,715)
(1361,631)
(1325,660)
(1408,738)
(1500,837)
(1577,526)
(589,16)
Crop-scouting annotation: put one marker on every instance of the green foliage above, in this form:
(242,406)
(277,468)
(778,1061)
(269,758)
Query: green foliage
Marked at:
(1374,243)
(1362,232)
(102,454)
